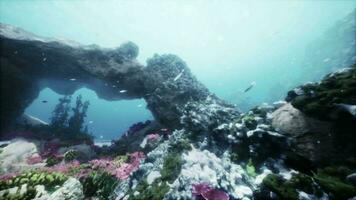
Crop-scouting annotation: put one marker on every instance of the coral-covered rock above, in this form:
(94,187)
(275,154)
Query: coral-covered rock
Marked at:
(13,158)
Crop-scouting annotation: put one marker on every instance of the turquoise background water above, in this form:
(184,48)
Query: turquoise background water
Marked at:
(227,44)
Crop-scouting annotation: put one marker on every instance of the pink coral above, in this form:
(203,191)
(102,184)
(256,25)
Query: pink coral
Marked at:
(63,168)
(153,137)
(34,160)
(121,171)
(124,171)
(7,176)
(208,192)
(50,148)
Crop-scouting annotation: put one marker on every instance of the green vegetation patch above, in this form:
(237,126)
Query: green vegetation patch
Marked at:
(49,180)
(156,191)
(99,184)
(28,195)
(319,100)
(287,189)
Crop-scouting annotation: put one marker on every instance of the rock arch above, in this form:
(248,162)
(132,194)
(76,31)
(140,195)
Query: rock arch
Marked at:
(30,63)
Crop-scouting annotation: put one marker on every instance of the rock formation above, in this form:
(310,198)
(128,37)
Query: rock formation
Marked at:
(30,63)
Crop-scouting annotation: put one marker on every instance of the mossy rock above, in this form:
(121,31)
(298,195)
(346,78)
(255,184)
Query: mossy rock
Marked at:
(172,166)
(319,99)
(332,180)
(276,184)
(52,160)
(287,189)
(99,184)
(71,155)
(249,121)
(156,191)
(180,146)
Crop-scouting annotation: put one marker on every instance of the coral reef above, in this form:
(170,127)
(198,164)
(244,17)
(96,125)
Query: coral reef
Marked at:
(198,146)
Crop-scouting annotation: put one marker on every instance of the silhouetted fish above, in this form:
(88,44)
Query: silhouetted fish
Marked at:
(250,87)
(178,76)
(44,101)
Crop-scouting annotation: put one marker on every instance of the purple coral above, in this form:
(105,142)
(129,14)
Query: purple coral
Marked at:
(34,159)
(50,148)
(152,137)
(63,167)
(122,171)
(8,176)
(207,192)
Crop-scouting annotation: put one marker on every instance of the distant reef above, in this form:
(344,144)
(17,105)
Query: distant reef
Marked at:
(332,50)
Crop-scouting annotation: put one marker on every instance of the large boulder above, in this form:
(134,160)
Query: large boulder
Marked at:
(320,118)
(14,157)
(72,189)
(292,122)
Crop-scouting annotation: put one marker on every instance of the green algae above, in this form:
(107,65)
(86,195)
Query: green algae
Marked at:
(319,100)
(49,180)
(156,191)
(99,184)
(250,168)
(287,189)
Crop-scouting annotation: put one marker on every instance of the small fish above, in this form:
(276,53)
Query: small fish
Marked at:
(44,101)
(15,52)
(44,59)
(250,87)
(326,60)
(72,79)
(90,122)
(117,81)
(179,75)
(139,105)
(348,108)
(101,137)
(123,91)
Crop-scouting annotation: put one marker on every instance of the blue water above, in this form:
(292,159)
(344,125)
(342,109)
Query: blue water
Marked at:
(226,44)
(105,120)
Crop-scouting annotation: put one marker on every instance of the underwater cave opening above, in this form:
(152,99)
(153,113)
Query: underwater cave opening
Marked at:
(106,120)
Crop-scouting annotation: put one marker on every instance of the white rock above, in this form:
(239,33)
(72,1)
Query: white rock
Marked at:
(241,191)
(72,189)
(14,156)
(279,104)
(41,191)
(152,176)
(289,120)
(143,143)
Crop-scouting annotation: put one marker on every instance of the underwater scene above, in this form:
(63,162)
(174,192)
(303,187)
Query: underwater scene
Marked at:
(178,100)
